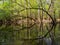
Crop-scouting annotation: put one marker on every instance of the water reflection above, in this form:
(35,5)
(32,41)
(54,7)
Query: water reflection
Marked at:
(39,34)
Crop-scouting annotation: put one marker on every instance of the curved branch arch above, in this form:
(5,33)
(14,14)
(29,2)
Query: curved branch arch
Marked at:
(39,9)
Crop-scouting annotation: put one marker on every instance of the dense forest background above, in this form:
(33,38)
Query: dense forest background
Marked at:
(21,21)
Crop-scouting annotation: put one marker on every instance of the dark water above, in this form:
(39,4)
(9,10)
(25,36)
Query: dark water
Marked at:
(33,36)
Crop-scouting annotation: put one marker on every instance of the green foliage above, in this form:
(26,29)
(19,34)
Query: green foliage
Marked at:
(11,8)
